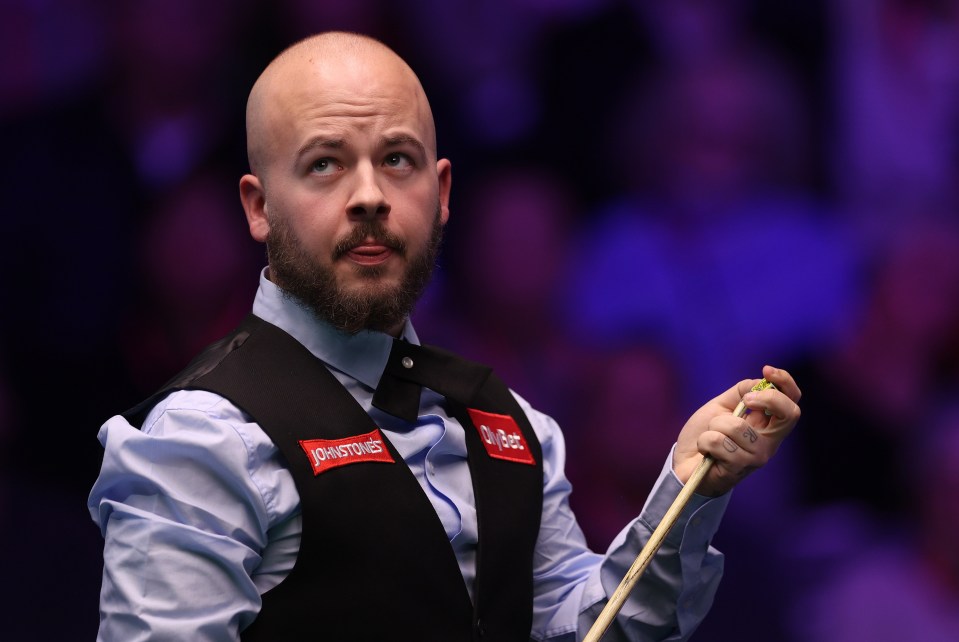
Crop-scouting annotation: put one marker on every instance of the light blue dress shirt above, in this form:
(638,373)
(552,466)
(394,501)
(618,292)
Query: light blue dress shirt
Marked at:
(200,516)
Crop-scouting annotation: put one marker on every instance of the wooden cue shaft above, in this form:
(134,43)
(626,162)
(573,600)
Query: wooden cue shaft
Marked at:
(616,600)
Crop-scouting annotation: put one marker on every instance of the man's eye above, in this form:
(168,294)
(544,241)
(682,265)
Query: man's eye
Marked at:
(323,166)
(397,160)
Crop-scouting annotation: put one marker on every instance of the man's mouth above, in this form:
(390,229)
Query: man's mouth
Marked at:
(369,244)
(369,253)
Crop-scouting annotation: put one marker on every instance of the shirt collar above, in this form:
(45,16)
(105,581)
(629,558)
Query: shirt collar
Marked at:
(362,355)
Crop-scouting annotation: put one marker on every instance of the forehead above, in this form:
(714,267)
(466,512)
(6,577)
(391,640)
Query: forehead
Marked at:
(372,94)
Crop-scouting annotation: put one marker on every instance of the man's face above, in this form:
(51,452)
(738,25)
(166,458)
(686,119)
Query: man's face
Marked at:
(353,197)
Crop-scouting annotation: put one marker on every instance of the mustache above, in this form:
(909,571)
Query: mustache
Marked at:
(369,230)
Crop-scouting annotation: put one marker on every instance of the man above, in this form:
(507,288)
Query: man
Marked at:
(275,489)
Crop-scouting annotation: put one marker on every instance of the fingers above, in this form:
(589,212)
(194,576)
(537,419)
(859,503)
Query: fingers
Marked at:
(783,381)
(737,449)
(780,412)
(736,442)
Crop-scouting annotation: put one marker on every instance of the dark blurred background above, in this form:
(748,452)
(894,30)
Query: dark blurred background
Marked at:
(651,201)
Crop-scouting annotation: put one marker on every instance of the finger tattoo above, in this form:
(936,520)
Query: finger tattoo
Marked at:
(750,434)
(730,445)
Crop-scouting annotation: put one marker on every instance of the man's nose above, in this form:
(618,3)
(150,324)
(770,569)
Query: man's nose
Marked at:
(367,199)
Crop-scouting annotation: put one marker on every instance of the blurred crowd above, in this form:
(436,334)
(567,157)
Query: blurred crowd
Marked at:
(652,201)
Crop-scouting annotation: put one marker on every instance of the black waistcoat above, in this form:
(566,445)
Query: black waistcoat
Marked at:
(375,562)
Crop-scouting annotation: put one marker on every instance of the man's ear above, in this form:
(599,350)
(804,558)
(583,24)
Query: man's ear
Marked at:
(254,204)
(444,172)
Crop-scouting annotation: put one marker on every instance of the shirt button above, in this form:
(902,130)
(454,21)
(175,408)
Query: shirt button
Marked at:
(407,362)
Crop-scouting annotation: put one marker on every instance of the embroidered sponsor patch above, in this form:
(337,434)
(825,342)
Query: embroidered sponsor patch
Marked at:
(325,454)
(502,437)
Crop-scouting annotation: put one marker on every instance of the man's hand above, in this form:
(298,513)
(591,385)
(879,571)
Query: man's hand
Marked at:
(738,445)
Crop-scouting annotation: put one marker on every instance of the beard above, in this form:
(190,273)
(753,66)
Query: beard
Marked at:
(372,306)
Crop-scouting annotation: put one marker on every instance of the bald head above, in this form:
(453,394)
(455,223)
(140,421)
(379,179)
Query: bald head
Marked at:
(326,66)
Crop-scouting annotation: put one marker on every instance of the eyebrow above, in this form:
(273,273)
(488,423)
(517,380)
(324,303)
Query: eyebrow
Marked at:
(319,142)
(403,139)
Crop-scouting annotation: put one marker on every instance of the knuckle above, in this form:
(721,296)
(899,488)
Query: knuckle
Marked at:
(794,413)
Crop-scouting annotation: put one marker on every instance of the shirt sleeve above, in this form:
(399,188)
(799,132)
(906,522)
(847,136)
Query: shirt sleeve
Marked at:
(572,583)
(184,506)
